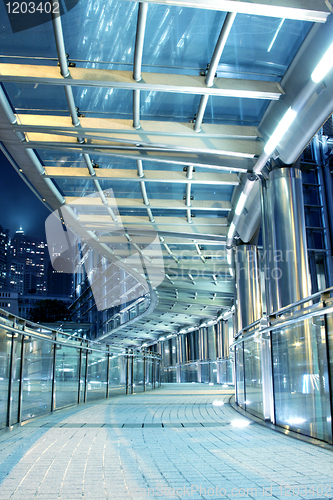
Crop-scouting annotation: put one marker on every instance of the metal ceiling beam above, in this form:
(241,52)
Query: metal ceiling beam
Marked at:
(181,312)
(191,230)
(169,239)
(123,128)
(303,10)
(210,222)
(233,147)
(138,51)
(210,267)
(226,162)
(157,204)
(217,304)
(165,176)
(155,82)
(222,40)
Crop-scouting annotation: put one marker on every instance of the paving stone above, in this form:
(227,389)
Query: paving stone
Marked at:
(101,451)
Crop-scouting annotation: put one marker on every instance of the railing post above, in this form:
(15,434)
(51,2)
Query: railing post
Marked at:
(154,373)
(127,369)
(20,399)
(80,375)
(10,383)
(53,396)
(107,373)
(86,375)
(144,370)
(132,372)
(328,378)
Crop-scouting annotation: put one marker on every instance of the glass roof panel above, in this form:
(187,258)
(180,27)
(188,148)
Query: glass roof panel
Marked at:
(37,98)
(109,102)
(235,110)
(101,31)
(208,192)
(159,190)
(180,37)
(250,42)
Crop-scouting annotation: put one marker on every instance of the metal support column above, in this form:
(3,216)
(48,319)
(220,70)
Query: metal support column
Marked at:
(286,270)
(248,285)
(225,338)
(286,257)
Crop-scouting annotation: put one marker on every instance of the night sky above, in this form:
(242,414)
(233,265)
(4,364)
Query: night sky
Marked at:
(18,204)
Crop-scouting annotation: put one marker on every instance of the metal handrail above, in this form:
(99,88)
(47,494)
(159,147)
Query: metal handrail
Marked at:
(296,319)
(77,342)
(300,302)
(282,310)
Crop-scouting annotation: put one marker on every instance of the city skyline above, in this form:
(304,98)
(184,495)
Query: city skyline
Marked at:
(19,207)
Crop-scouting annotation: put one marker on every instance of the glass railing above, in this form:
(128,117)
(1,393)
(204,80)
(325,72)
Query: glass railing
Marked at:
(42,370)
(284,367)
(219,371)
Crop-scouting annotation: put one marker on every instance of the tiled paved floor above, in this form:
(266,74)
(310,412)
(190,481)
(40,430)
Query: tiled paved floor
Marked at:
(118,449)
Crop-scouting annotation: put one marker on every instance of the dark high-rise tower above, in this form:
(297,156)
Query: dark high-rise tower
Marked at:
(27,264)
(4,241)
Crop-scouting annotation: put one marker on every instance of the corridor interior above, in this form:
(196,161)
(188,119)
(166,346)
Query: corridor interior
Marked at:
(179,441)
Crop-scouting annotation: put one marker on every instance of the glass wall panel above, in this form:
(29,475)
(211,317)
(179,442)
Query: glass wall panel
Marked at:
(253,378)
(66,376)
(204,372)
(5,347)
(301,378)
(97,369)
(117,375)
(149,374)
(240,385)
(213,372)
(138,375)
(37,378)
(225,372)
(329,328)
(16,380)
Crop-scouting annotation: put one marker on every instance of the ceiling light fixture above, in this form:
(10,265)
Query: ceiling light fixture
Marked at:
(280,130)
(324,66)
(241,203)
(231,231)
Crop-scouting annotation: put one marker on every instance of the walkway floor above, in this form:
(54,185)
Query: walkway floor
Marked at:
(180,441)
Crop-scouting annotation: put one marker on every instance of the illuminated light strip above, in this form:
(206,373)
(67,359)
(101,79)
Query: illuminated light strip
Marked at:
(324,66)
(240,204)
(280,130)
(231,231)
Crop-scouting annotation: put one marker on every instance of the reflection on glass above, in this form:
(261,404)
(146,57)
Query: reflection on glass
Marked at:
(16,380)
(253,379)
(301,378)
(66,376)
(96,381)
(240,386)
(5,347)
(37,378)
(138,375)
